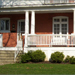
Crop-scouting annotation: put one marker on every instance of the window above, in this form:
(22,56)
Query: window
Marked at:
(64,28)
(4,24)
(60,25)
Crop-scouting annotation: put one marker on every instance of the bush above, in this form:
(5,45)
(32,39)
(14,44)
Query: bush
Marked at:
(72,60)
(30,54)
(25,58)
(67,59)
(57,57)
(35,56)
(38,56)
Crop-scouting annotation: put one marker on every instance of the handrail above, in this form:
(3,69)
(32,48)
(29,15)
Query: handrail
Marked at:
(19,48)
(16,53)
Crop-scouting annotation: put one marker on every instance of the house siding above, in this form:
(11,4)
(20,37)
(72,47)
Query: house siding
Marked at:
(10,39)
(44,22)
(43,25)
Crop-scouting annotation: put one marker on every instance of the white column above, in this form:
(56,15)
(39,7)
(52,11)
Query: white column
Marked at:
(74,21)
(26,27)
(33,22)
(1,40)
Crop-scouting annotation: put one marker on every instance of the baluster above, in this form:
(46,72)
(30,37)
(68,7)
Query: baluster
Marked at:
(49,40)
(46,40)
(56,39)
(40,39)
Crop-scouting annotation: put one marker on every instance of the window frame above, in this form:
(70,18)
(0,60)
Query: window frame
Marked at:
(4,31)
(60,17)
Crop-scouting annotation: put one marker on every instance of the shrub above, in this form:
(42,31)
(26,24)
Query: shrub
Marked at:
(72,60)
(30,54)
(35,56)
(57,57)
(25,58)
(38,56)
(67,59)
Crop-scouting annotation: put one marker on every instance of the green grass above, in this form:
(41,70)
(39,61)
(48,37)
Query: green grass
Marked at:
(37,69)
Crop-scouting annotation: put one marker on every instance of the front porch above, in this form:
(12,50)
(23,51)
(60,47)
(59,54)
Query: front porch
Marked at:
(50,30)
(48,25)
(40,29)
(47,30)
(60,32)
(59,36)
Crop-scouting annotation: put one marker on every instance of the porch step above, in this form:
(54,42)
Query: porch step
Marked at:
(6,61)
(6,54)
(6,51)
(6,57)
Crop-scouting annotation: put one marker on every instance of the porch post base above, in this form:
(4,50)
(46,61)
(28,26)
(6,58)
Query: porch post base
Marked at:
(25,50)
(1,42)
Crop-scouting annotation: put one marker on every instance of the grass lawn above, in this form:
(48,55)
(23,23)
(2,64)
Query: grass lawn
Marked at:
(37,69)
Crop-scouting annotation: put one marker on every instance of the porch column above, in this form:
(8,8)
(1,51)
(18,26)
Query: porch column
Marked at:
(26,28)
(74,21)
(33,22)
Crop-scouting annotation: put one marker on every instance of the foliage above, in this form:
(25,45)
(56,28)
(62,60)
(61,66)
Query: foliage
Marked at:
(57,57)
(38,56)
(25,58)
(30,54)
(72,60)
(34,56)
(67,59)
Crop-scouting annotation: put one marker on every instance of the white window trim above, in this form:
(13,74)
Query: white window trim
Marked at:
(60,23)
(21,20)
(5,31)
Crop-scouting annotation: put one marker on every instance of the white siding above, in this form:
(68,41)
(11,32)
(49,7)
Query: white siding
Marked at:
(48,51)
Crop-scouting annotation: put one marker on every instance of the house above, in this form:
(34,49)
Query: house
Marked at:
(48,25)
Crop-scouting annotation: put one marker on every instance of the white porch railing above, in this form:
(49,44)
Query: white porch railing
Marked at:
(58,1)
(31,2)
(50,40)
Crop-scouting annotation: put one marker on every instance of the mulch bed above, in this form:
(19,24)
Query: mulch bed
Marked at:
(46,62)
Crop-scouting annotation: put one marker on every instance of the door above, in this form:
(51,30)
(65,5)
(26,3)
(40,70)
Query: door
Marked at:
(60,30)
(21,29)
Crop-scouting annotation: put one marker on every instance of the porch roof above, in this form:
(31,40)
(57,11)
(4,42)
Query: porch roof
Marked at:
(38,9)
(31,3)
